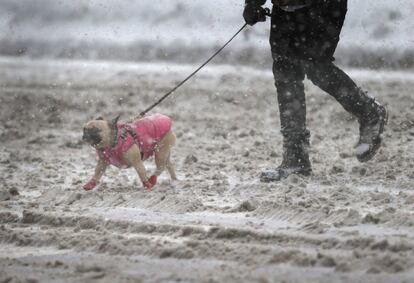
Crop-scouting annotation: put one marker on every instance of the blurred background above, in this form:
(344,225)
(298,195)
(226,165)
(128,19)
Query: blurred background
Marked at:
(377,33)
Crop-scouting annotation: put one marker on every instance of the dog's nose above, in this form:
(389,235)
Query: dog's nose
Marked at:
(84,136)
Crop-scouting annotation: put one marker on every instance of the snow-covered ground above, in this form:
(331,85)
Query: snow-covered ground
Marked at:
(349,222)
(376,32)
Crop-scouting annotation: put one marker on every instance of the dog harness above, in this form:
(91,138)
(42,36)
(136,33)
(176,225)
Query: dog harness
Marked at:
(145,132)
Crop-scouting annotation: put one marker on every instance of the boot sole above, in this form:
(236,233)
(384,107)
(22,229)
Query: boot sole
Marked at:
(378,145)
(280,177)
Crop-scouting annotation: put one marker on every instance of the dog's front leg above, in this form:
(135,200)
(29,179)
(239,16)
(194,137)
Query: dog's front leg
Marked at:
(132,157)
(99,171)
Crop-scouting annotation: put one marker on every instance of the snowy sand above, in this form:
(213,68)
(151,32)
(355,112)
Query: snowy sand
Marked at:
(347,223)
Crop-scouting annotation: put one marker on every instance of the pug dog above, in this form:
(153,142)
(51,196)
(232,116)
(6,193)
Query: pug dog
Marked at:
(127,145)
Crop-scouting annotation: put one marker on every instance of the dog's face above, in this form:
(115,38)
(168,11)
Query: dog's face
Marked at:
(100,133)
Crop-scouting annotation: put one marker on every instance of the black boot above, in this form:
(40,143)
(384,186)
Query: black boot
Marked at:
(295,160)
(371,126)
(371,115)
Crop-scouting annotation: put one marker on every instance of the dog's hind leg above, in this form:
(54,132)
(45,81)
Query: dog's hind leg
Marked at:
(162,153)
(170,167)
(161,157)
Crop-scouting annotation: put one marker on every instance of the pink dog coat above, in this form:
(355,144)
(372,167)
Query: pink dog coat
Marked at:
(146,132)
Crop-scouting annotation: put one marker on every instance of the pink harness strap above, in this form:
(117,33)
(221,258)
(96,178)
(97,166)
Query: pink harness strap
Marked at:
(146,132)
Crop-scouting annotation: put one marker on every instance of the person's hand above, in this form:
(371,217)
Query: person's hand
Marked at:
(90,185)
(148,184)
(254,13)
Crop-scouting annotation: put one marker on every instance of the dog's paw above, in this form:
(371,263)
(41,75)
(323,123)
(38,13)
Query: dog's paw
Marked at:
(90,185)
(148,184)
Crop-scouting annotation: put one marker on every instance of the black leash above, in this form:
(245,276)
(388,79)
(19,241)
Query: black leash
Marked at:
(192,74)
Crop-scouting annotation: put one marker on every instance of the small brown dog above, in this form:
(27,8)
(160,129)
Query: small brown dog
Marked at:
(129,144)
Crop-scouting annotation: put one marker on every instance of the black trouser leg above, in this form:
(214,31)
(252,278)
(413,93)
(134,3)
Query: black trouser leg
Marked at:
(289,75)
(331,79)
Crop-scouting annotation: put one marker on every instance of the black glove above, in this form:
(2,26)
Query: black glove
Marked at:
(254,13)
